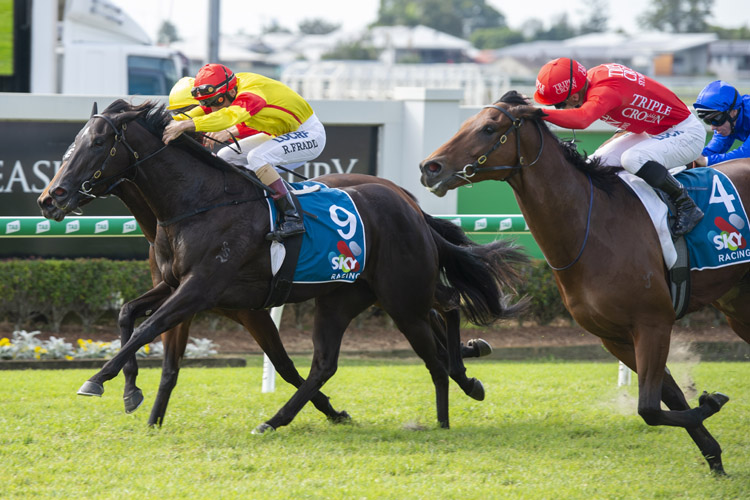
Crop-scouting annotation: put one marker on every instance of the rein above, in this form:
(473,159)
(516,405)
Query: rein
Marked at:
(201,210)
(477,166)
(96,178)
(588,227)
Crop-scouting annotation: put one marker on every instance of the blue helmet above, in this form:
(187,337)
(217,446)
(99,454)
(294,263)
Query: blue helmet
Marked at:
(715,101)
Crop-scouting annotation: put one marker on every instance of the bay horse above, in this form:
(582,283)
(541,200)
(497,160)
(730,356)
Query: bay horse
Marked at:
(599,241)
(258,322)
(208,212)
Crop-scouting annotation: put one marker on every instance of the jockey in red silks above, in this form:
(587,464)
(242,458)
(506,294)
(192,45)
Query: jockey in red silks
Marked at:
(656,130)
(276,126)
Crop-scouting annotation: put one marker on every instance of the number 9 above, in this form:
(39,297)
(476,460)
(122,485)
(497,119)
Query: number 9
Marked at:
(350,221)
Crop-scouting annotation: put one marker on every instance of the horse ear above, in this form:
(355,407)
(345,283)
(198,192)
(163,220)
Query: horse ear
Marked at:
(94,110)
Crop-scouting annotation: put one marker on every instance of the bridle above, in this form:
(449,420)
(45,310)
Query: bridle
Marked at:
(96,178)
(477,166)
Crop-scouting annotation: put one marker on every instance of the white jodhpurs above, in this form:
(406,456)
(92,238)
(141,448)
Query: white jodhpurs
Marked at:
(291,150)
(675,147)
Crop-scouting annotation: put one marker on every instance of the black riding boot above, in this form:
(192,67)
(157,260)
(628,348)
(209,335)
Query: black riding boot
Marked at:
(290,222)
(687,215)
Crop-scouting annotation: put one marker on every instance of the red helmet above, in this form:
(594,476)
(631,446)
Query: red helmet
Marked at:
(212,83)
(558,79)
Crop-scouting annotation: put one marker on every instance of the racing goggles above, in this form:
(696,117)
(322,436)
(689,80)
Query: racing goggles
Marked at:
(214,100)
(205,91)
(210,94)
(713,117)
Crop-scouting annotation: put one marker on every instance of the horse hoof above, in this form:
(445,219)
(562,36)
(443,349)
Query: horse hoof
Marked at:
(340,418)
(480,347)
(90,388)
(445,424)
(717,469)
(133,401)
(477,391)
(262,429)
(715,400)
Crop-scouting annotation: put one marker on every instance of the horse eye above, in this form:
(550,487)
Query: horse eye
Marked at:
(98,141)
(488,129)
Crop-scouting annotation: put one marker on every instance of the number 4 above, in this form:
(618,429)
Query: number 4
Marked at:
(720,195)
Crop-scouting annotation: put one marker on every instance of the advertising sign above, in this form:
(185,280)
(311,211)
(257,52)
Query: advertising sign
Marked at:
(31,153)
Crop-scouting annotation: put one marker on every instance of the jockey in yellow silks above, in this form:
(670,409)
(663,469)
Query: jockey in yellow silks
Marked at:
(279,128)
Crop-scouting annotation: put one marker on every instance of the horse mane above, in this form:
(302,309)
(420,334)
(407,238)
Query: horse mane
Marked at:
(154,117)
(603,177)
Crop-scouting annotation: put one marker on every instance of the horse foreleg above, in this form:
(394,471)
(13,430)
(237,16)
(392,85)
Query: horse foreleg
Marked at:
(132,395)
(179,306)
(175,341)
(264,331)
(674,398)
(651,359)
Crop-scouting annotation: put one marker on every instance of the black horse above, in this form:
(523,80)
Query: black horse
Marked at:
(211,252)
(446,324)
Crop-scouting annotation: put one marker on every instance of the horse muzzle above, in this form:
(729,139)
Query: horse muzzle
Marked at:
(57,203)
(435,176)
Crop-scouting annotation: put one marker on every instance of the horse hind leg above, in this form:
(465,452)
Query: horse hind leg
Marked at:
(333,313)
(419,334)
(447,332)
(735,304)
(264,331)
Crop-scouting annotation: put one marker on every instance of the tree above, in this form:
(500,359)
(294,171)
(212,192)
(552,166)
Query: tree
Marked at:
(598,17)
(456,17)
(167,33)
(317,27)
(494,38)
(741,33)
(560,30)
(531,27)
(678,16)
(359,50)
(274,27)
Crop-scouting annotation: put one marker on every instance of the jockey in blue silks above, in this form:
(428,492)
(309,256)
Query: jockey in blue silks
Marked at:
(728,113)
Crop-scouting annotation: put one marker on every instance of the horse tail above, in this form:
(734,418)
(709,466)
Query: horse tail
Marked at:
(478,275)
(448,230)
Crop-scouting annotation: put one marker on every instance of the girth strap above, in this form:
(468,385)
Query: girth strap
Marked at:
(282,282)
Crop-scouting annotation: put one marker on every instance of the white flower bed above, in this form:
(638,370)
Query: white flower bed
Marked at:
(25,345)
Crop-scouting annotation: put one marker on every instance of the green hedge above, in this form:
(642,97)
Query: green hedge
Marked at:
(55,288)
(545,304)
(50,290)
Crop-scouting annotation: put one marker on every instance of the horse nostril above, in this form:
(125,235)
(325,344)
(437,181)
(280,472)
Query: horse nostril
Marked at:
(433,167)
(47,202)
(59,192)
